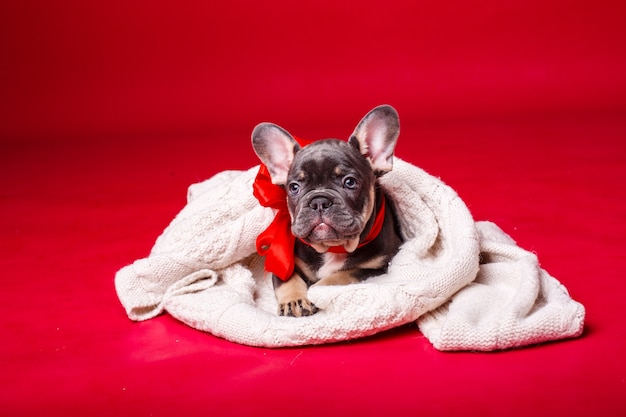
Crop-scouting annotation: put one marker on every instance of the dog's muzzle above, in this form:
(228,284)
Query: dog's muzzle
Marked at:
(320,201)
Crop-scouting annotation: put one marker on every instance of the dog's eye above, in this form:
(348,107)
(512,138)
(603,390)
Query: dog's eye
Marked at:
(294,188)
(350,182)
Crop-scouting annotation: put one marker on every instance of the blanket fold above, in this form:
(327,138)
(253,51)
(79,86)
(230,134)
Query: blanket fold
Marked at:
(466,283)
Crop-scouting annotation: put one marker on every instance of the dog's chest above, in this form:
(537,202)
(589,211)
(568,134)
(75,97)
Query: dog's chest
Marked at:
(331,263)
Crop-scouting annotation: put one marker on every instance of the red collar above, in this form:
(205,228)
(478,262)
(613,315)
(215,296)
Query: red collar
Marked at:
(277,242)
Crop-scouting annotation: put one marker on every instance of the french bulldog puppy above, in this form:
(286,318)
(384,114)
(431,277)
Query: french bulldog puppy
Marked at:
(344,224)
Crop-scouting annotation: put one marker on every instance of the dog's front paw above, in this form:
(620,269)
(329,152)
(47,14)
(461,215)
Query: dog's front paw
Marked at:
(292,297)
(297,308)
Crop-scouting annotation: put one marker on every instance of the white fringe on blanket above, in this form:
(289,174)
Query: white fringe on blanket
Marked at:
(467,284)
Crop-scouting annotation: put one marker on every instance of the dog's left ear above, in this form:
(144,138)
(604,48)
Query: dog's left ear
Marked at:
(276,148)
(376,135)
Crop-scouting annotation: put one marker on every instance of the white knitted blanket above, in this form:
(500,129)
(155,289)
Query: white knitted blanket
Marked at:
(467,284)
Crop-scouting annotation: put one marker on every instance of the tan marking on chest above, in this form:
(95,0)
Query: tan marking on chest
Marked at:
(374,263)
(333,262)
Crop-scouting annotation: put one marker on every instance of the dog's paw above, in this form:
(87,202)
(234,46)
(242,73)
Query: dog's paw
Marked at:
(297,308)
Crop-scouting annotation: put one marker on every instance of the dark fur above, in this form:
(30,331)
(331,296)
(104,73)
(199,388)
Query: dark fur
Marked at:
(333,198)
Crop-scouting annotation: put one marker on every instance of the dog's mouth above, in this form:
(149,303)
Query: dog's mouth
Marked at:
(323,236)
(323,220)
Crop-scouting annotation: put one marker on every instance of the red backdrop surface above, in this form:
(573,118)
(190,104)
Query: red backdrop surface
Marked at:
(78,68)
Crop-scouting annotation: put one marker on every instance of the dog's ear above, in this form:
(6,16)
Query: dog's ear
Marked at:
(276,148)
(376,136)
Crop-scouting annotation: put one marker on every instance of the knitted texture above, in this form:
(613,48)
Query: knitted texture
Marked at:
(466,284)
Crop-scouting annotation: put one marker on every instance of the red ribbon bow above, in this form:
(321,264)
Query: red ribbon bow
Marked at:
(276,242)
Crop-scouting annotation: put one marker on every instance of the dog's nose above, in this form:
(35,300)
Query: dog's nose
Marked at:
(320,203)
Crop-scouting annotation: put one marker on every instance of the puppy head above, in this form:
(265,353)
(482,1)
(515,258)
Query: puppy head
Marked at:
(330,184)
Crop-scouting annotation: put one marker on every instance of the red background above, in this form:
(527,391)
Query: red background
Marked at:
(79,68)
(109,110)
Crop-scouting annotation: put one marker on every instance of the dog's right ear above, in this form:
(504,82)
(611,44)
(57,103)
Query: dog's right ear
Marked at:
(276,148)
(376,136)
